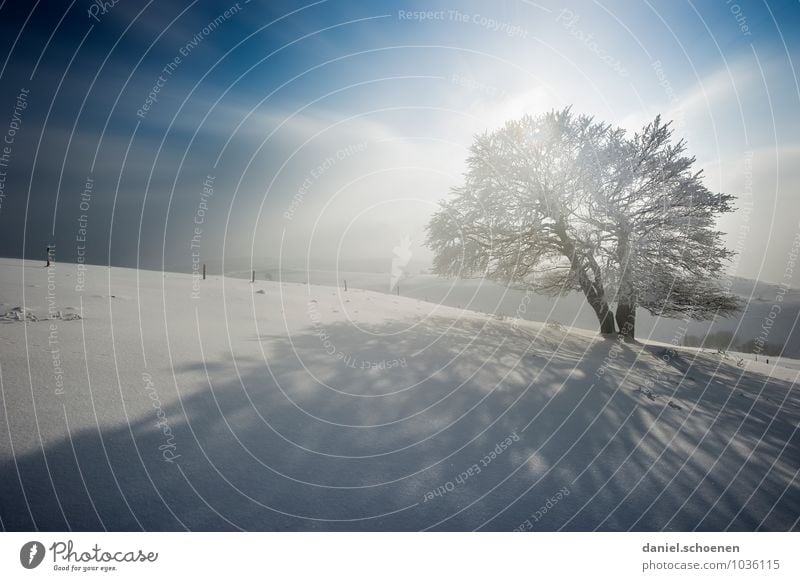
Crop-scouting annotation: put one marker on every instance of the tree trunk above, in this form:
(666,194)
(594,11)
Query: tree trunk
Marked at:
(601,309)
(596,297)
(592,289)
(606,319)
(626,295)
(626,320)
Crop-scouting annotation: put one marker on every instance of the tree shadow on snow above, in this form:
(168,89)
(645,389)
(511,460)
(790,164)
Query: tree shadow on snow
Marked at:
(431,424)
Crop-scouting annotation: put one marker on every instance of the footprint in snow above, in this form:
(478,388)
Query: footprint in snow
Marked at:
(647,393)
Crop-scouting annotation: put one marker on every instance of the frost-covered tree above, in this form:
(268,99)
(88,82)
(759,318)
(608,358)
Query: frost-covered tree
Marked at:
(561,202)
(665,254)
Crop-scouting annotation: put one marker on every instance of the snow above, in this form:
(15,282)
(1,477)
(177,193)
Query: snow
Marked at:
(572,309)
(147,400)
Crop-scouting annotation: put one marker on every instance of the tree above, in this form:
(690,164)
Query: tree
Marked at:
(666,255)
(561,202)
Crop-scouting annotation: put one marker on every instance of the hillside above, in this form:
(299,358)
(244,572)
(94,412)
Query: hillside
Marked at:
(572,310)
(163,402)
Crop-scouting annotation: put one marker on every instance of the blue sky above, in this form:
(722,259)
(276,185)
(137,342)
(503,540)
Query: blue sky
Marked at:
(353,118)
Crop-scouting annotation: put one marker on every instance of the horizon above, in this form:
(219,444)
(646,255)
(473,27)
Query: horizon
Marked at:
(263,267)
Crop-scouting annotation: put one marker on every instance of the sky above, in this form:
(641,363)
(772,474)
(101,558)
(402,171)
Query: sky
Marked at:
(323,134)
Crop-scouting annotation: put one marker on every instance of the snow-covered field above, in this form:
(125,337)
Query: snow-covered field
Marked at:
(572,309)
(159,401)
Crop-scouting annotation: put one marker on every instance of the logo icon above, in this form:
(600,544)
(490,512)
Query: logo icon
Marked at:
(401,258)
(31,554)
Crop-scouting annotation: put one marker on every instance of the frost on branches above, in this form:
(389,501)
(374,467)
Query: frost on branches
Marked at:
(561,202)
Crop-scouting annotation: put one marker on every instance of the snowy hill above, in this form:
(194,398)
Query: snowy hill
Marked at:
(141,400)
(572,310)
